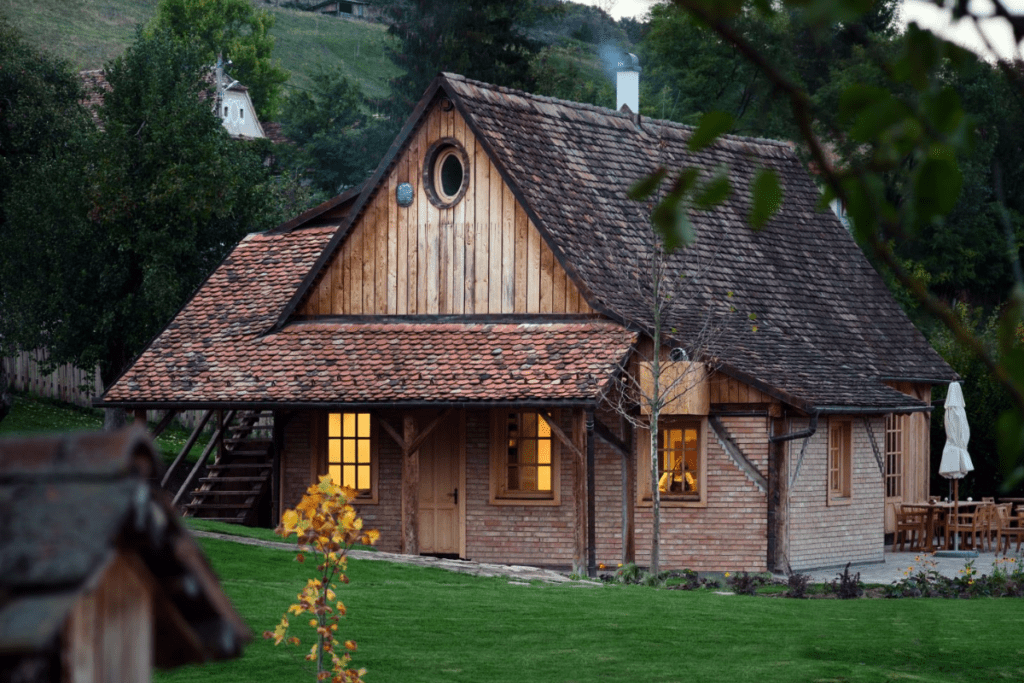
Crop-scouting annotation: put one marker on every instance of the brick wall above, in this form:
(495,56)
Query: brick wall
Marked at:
(730,533)
(821,535)
(515,534)
(296,461)
(386,514)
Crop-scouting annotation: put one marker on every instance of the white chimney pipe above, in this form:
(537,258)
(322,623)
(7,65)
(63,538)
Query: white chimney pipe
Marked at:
(627,83)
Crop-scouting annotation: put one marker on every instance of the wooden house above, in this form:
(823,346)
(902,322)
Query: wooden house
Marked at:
(445,338)
(99,581)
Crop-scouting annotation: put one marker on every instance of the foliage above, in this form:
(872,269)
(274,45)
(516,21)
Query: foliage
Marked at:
(746,583)
(798,584)
(984,400)
(337,143)
(911,136)
(924,581)
(568,73)
(235,31)
(107,236)
(486,40)
(327,525)
(846,586)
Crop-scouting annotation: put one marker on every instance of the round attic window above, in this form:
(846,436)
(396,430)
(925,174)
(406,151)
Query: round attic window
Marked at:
(446,173)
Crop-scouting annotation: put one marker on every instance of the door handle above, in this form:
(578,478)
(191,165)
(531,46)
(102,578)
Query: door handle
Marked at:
(455,495)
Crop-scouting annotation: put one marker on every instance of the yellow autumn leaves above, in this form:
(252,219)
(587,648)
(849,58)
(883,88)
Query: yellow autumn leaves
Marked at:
(328,526)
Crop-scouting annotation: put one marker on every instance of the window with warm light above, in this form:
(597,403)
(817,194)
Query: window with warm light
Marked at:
(840,460)
(681,460)
(350,460)
(524,465)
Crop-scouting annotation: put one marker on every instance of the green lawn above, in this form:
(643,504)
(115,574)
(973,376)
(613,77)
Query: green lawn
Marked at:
(33,415)
(415,624)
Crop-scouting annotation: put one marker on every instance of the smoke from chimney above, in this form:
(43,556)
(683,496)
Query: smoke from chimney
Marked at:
(627,83)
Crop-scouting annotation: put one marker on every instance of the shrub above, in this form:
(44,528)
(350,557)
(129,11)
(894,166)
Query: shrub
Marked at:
(746,583)
(798,584)
(328,527)
(845,585)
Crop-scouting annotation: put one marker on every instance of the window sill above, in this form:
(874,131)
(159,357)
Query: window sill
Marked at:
(549,502)
(838,501)
(674,503)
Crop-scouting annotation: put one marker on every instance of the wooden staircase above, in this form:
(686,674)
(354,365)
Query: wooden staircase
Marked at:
(239,479)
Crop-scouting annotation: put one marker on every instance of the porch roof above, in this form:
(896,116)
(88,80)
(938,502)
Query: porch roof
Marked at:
(216,350)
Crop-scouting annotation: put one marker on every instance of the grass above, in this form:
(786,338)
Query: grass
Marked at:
(34,415)
(89,33)
(416,624)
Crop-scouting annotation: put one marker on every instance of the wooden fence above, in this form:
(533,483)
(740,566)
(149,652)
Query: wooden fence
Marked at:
(68,383)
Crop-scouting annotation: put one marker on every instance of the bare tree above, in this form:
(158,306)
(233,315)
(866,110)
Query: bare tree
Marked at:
(679,321)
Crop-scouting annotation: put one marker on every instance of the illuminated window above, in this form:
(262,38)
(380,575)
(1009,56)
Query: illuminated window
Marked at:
(840,460)
(679,460)
(350,459)
(524,463)
(894,455)
(682,471)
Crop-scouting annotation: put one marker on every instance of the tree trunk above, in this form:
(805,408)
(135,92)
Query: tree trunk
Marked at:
(6,400)
(655,497)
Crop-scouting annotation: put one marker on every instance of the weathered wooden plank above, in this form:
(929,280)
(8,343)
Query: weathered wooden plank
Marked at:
(508,249)
(355,294)
(391,227)
(496,246)
(381,228)
(519,285)
(369,259)
(444,266)
(558,286)
(412,222)
(546,265)
(458,274)
(533,270)
(481,228)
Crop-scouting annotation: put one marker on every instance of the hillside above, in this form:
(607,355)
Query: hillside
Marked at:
(88,33)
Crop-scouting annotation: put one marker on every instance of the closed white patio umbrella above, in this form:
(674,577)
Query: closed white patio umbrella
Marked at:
(956,461)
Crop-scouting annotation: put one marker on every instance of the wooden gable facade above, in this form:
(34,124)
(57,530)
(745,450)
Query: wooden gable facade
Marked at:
(483,255)
(446,345)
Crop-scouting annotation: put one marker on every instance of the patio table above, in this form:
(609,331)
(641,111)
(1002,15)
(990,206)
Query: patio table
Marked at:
(937,513)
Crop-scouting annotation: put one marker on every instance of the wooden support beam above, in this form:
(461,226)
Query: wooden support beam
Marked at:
(591,503)
(579,494)
(165,422)
(628,493)
(608,436)
(217,440)
(392,432)
(410,490)
(415,443)
(188,447)
(562,437)
(140,416)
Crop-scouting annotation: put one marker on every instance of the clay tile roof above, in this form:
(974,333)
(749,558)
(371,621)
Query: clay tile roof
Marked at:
(828,328)
(215,350)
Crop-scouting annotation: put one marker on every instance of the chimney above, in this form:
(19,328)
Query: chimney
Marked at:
(627,83)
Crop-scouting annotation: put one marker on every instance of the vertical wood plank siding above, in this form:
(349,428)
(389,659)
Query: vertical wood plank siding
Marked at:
(482,255)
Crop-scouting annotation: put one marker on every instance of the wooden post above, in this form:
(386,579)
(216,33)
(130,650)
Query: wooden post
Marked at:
(778,550)
(579,494)
(628,493)
(591,503)
(410,489)
(140,416)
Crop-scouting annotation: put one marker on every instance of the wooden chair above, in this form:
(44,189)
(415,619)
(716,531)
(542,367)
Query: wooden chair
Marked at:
(1012,529)
(969,525)
(912,527)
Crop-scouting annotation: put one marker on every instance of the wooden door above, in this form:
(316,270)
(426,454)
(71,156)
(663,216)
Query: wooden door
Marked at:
(440,490)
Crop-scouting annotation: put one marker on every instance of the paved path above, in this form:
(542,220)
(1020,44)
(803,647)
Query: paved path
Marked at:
(513,572)
(891,569)
(896,563)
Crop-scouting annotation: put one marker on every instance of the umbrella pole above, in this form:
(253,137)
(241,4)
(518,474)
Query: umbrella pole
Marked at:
(956,514)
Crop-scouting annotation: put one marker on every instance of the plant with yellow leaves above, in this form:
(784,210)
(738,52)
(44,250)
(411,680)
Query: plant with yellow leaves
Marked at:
(327,527)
